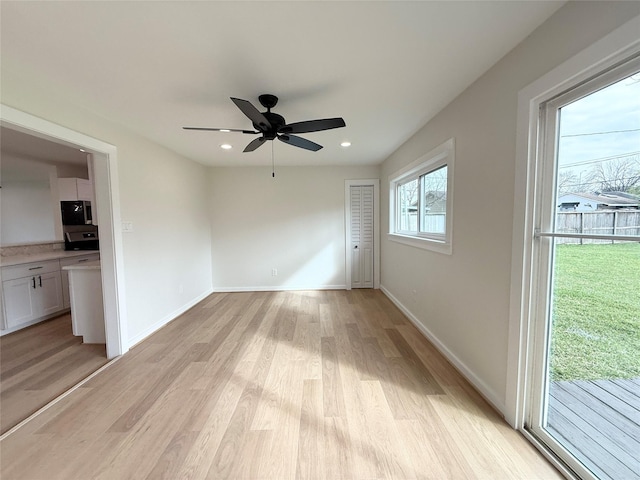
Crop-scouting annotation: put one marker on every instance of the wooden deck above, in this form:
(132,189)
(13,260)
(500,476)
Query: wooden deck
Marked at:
(599,422)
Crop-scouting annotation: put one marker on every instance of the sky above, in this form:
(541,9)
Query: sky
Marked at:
(587,127)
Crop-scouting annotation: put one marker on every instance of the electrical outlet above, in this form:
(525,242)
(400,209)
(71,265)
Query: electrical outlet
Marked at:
(274,272)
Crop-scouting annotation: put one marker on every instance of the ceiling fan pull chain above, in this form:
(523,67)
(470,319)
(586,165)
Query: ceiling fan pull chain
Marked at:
(273,165)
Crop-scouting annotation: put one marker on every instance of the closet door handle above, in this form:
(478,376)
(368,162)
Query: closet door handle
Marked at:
(40,279)
(34,282)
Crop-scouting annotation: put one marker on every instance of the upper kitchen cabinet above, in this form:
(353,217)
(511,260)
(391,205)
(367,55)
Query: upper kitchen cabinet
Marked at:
(73,189)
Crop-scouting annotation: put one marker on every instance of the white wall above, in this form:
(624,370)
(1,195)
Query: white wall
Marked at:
(66,170)
(28,203)
(167,258)
(463,299)
(294,223)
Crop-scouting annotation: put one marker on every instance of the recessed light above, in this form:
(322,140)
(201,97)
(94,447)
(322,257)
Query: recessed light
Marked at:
(226,146)
(224,130)
(345,144)
(82,150)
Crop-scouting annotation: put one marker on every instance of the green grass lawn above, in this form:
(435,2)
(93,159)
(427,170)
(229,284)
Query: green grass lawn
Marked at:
(596,312)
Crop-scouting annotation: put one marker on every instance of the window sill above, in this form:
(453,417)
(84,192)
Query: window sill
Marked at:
(423,243)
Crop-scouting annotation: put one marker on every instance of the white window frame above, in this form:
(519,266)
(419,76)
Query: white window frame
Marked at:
(441,156)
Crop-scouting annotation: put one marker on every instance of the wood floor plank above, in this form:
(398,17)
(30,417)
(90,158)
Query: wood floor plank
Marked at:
(212,428)
(39,363)
(326,320)
(383,440)
(421,450)
(338,449)
(332,395)
(273,385)
(310,458)
(423,378)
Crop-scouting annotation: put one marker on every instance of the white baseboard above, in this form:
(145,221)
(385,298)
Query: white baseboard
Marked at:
(278,288)
(484,390)
(173,315)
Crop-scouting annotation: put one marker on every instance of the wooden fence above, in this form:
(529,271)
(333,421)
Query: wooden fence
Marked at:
(610,222)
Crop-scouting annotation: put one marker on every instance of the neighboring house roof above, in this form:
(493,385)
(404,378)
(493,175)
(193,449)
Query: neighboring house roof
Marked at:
(610,199)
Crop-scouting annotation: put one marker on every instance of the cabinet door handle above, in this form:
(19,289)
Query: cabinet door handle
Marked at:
(35,268)
(34,282)
(83,260)
(40,279)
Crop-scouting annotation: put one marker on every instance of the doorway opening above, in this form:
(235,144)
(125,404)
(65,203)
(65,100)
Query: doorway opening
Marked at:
(108,211)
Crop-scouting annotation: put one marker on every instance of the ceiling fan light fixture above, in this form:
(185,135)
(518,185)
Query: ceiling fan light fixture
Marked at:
(226,146)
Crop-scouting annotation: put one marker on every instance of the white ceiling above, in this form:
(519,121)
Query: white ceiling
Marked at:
(25,145)
(385,67)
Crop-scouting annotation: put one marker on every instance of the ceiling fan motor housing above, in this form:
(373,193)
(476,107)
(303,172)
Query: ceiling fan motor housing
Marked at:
(276,121)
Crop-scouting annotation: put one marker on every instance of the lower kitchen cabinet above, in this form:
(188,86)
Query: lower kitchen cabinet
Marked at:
(65,274)
(30,292)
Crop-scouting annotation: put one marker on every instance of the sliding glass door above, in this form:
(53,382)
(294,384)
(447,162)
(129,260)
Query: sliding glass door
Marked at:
(585,385)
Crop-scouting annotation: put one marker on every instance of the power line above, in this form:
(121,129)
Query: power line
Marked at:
(601,159)
(600,133)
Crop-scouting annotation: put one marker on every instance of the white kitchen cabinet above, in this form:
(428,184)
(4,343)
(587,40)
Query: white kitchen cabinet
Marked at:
(87,307)
(18,304)
(72,189)
(65,273)
(31,291)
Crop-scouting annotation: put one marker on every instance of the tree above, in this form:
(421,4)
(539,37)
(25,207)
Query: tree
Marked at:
(567,183)
(618,175)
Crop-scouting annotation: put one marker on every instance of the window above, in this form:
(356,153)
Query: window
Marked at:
(420,201)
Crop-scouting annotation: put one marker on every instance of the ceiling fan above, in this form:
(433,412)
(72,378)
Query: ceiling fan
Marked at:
(271,125)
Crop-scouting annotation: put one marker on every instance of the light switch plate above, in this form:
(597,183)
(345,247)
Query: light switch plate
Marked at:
(127,226)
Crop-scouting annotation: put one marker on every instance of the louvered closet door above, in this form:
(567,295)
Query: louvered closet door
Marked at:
(362,236)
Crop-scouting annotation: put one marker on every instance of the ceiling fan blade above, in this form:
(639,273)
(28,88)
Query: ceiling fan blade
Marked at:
(220,129)
(208,129)
(313,125)
(254,144)
(299,142)
(252,112)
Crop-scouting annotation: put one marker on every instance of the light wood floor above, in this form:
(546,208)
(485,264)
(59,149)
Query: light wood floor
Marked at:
(39,363)
(276,385)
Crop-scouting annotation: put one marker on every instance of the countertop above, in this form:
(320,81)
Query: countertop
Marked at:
(41,257)
(95,265)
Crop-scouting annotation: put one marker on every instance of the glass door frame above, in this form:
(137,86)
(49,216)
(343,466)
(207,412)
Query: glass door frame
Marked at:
(531,180)
(543,254)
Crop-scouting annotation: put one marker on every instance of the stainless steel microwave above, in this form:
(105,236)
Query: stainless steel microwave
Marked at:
(76,213)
